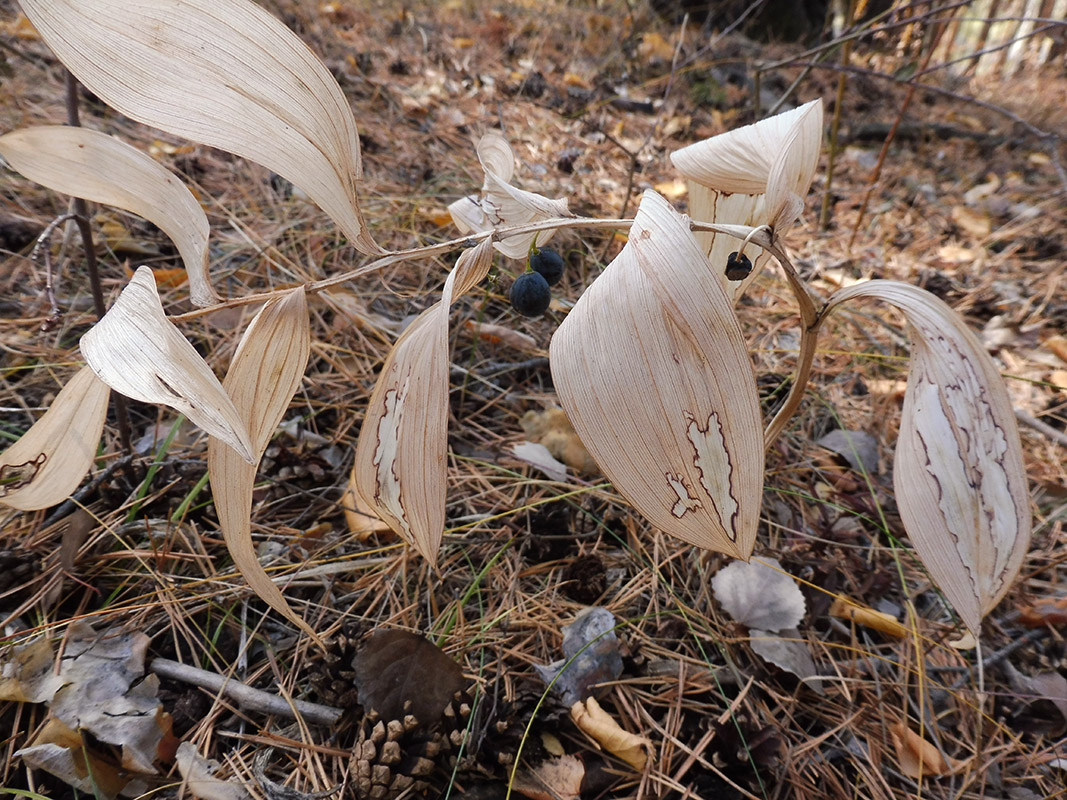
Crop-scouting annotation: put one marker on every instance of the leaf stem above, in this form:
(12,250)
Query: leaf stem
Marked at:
(811,318)
(425,251)
(81,219)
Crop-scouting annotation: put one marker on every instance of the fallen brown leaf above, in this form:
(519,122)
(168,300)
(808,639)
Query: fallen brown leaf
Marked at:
(916,756)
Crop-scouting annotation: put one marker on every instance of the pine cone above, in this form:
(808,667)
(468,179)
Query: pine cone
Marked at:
(18,567)
(401,756)
(332,677)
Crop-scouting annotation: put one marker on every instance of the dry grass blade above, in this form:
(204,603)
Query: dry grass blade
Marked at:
(140,353)
(958,476)
(400,463)
(50,460)
(652,369)
(265,373)
(101,168)
(253,88)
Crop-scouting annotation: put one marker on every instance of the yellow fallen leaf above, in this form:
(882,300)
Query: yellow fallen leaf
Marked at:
(672,190)
(965,642)
(361,520)
(1057,345)
(576,80)
(596,723)
(862,615)
(976,223)
(654,47)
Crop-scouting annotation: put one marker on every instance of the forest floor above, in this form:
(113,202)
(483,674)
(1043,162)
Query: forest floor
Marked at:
(593,98)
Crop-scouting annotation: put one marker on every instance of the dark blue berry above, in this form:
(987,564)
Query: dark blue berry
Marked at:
(530,294)
(738,267)
(548,263)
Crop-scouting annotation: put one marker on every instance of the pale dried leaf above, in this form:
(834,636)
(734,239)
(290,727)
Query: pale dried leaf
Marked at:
(140,353)
(224,73)
(101,168)
(62,752)
(401,458)
(360,519)
(265,373)
(27,674)
(198,774)
(537,455)
(759,594)
(786,650)
(552,779)
(653,372)
(965,641)
(958,473)
(709,205)
(49,461)
(99,693)
(597,723)
(743,161)
(501,204)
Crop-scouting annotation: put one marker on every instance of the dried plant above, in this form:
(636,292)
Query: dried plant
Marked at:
(651,365)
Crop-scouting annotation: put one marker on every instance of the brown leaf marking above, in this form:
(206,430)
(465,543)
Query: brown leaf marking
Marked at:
(16,476)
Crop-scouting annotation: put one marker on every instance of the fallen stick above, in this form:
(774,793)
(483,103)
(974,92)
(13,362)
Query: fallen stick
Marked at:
(247,698)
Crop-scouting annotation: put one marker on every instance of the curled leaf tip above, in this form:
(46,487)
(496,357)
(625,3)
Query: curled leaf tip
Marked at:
(137,351)
(502,205)
(756,175)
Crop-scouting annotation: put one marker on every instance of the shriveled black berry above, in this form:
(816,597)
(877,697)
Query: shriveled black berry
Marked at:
(548,263)
(530,294)
(738,267)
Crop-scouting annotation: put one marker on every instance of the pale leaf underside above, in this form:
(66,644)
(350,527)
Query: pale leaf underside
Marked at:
(225,73)
(140,353)
(958,474)
(101,168)
(501,204)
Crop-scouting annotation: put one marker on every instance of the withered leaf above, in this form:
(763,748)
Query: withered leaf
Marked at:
(136,350)
(759,594)
(225,73)
(198,774)
(394,667)
(50,460)
(101,168)
(958,473)
(401,459)
(602,727)
(654,373)
(265,373)
(552,779)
